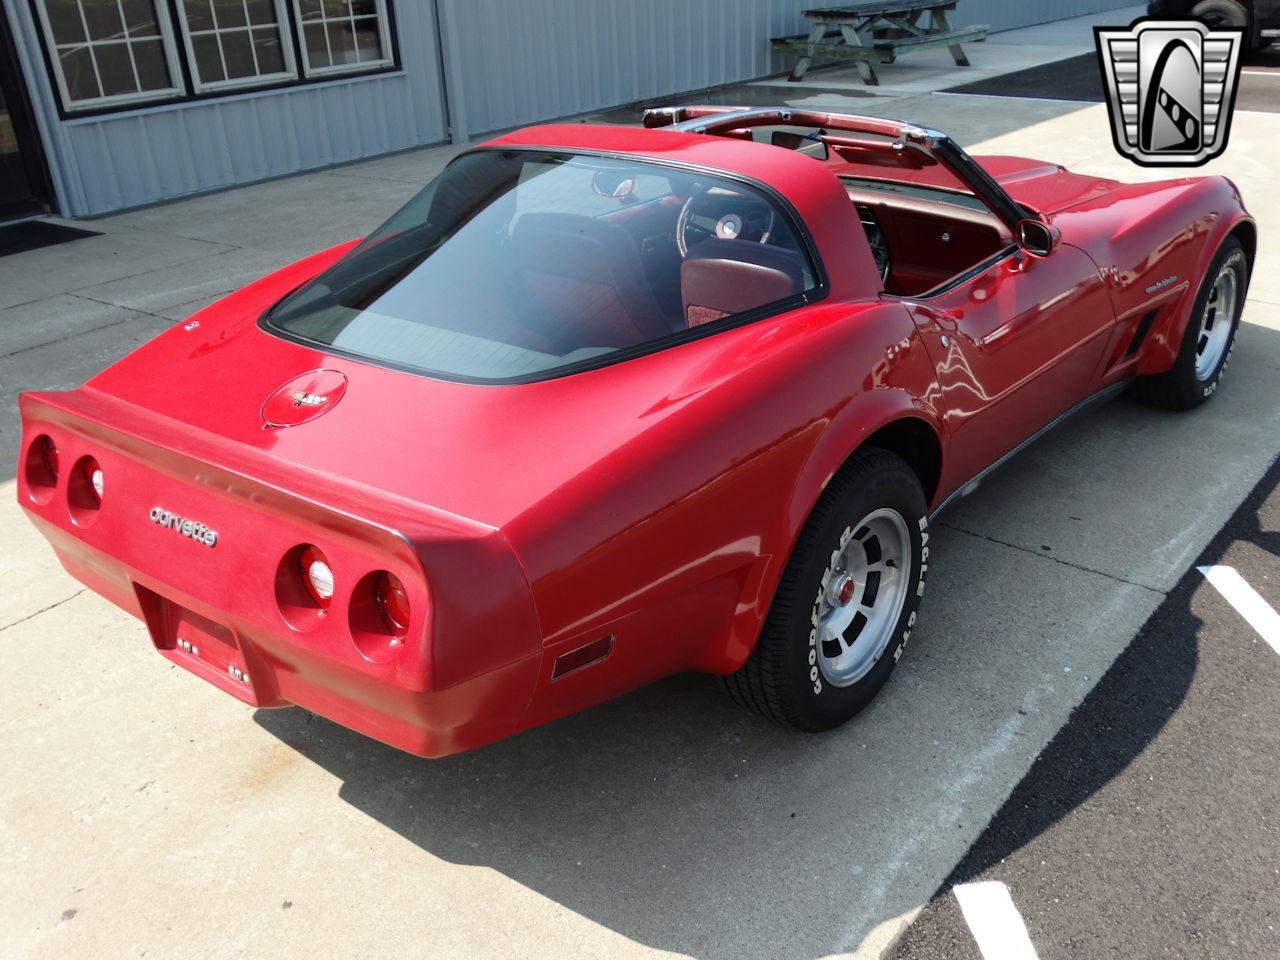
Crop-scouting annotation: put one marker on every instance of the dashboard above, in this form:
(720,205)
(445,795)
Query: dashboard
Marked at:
(920,237)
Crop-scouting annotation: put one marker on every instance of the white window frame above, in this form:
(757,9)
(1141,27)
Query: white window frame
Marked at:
(290,71)
(176,88)
(344,69)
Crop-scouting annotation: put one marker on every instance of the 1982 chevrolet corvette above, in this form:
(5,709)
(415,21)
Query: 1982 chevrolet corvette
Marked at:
(602,404)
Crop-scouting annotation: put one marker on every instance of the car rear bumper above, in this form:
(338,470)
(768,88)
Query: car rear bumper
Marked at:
(231,612)
(280,670)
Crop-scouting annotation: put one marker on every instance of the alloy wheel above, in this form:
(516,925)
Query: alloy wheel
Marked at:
(863,591)
(1216,323)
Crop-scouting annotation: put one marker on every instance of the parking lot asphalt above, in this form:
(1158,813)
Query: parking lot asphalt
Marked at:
(1148,826)
(148,813)
(1078,79)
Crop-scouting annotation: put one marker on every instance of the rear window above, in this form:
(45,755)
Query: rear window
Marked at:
(520,264)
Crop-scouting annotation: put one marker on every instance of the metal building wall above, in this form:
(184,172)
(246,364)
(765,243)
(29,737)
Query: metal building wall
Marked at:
(532,60)
(146,155)
(538,59)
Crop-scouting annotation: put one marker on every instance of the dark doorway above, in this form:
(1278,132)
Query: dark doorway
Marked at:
(24,183)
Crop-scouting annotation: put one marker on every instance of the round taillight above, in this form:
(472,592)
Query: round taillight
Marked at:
(393,604)
(87,482)
(41,469)
(379,615)
(84,491)
(317,575)
(48,453)
(304,587)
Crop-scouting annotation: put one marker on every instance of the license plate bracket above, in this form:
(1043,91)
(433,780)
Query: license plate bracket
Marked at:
(197,643)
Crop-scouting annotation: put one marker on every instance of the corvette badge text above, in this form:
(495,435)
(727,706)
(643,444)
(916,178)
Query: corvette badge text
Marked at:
(188,528)
(1171,89)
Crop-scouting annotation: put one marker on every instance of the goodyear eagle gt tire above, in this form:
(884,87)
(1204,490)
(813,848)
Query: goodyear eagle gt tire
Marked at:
(847,601)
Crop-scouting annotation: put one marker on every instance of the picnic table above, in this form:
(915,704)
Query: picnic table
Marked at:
(890,27)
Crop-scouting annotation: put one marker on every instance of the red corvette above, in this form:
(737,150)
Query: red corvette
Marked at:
(602,404)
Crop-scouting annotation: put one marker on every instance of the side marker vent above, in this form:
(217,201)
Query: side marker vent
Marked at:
(1139,335)
(575,660)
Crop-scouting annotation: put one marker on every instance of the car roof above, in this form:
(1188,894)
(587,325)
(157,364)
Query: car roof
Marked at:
(814,191)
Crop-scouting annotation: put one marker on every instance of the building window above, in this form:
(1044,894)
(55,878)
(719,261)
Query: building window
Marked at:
(110,52)
(117,53)
(343,36)
(235,43)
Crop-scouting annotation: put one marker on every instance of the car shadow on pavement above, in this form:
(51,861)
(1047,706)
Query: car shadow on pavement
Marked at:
(627,813)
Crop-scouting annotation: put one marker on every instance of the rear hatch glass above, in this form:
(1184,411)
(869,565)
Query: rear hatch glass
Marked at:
(520,264)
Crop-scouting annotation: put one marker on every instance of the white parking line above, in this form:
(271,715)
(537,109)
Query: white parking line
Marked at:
(1247,602)
(994,921)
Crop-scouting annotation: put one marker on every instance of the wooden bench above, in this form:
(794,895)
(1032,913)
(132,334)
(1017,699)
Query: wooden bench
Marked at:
(890,27)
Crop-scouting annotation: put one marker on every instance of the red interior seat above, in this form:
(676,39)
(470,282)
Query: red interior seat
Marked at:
(585,277)
(722,277)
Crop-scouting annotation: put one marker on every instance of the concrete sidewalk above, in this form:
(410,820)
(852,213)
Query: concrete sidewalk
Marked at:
(147,812)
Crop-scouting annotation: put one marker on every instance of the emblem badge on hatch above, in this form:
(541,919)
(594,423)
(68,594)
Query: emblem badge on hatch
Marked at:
(301,398)
(304,398)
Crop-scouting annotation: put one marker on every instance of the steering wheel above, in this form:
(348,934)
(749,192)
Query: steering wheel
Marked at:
(876,239)
(714,212)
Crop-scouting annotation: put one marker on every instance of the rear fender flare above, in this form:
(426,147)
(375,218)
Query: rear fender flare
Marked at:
(846,433)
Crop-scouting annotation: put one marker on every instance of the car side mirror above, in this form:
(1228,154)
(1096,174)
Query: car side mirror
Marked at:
(1038,238)
(809,146)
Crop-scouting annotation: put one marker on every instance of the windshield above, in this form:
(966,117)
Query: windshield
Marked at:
(514,264)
